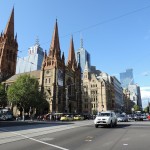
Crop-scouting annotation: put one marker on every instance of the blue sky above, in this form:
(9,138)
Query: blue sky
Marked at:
(115,32)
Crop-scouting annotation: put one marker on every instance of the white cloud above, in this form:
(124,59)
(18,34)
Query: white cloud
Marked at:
(145,92)
(145,95)
(146,73)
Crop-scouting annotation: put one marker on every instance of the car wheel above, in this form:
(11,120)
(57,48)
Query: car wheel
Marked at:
(111,124)
(96,126)
(115,124)
(4,118)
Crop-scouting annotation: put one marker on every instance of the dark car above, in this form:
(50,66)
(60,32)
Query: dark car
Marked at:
(138,117)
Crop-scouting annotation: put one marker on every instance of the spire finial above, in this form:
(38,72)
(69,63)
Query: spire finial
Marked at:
(55,46)
(81,41)
(10,25)
(37,41)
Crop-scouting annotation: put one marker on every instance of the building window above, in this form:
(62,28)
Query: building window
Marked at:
(45,80)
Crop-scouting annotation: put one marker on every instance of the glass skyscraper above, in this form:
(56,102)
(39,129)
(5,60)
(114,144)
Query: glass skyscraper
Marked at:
(126,78)
(31,62)
(82,57)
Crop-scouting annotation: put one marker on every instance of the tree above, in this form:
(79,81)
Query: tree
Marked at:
(136,108)
(146,109)
(25,93)
(3,96)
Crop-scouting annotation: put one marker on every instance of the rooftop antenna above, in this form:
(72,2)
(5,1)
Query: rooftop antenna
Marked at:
(37,41)
(81,41)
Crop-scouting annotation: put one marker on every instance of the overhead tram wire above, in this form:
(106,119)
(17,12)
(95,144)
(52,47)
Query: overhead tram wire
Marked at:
(110,20)
(103,22)
(28,61)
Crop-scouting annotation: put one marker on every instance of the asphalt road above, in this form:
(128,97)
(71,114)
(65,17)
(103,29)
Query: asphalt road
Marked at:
(80,135)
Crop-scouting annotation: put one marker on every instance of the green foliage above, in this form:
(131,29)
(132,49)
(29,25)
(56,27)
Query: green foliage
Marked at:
(25,92)
(3,96)
(136,108)
(94,112)
(146,109)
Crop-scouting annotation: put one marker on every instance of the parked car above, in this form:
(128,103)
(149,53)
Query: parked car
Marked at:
(144,116)
(66,118)
(122,118)
(78,117)
(105,118)
(6,114)
(130,117)
(148,117)
(138,117)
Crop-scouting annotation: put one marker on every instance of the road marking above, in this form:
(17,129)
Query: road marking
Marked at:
(125,144)
(88,138)
(46,139)
(35,139)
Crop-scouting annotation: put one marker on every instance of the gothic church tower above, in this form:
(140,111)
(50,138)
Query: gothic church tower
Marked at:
(73,82)
(53,75)
(8,50)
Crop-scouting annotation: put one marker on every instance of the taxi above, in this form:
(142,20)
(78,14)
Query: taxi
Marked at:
(78,117)
(66,118)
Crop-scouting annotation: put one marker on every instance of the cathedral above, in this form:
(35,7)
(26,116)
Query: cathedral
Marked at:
(59,80)
(8,50)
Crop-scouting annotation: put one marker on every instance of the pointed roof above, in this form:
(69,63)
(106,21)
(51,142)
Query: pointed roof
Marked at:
(55,46)
(71,56)
(9,30)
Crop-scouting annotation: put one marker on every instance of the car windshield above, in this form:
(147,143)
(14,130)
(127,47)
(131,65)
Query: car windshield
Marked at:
(104,114)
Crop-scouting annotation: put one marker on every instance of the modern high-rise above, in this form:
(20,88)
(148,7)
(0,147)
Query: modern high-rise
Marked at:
(82,57)
(126,78)
(31,62)
(135,94)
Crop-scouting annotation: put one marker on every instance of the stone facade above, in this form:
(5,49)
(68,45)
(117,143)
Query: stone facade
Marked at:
(8,50)
(60,82)
(99,93)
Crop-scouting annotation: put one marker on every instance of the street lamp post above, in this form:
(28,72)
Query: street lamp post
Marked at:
(66,109)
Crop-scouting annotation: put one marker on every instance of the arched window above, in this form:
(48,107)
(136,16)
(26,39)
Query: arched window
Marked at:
(45,80)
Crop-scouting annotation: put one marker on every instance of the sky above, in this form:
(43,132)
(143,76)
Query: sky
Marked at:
(116,33)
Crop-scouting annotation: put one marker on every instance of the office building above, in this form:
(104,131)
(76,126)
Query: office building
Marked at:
(31,62)
(83,56)
(126,78)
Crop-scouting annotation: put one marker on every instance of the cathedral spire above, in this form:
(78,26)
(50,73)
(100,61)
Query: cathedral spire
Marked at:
(55,46)
(71,56)
(9,30)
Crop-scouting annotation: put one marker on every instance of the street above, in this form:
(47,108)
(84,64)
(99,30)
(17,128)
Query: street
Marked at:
(74,135)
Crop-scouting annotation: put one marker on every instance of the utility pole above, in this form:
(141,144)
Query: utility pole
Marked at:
(66,108)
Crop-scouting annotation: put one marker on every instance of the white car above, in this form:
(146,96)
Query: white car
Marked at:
(122,118)
(105,118)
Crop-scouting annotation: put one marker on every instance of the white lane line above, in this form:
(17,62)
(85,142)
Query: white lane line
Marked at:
(35,139)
